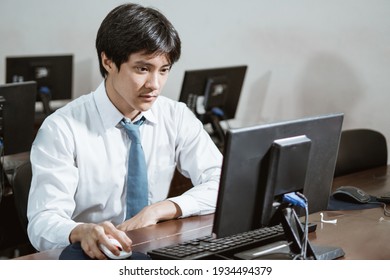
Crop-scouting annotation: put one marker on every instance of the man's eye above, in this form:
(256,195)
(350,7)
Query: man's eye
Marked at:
(165,70)
(142,69)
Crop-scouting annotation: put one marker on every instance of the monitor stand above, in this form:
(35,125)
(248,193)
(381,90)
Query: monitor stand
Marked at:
(294,232)
(291,247)
(45,95)
(218,131)
(328,252)
(280,250)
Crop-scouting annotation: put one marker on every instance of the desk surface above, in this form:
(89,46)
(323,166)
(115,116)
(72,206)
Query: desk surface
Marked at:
(361,233)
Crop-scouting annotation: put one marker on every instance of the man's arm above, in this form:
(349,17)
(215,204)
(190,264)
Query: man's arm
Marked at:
(199,159)
(52,188)
(152,214)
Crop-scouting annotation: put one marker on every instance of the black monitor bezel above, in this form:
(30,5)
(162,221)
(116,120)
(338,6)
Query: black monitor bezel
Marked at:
(197,83)
(60,82)
(18,114)
(246,155)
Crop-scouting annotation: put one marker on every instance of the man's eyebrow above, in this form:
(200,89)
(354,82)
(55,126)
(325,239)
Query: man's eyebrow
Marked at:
(144,62)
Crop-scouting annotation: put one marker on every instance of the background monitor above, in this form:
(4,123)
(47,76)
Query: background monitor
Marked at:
(256,172)
(53,75)
(17,111)
(213,94)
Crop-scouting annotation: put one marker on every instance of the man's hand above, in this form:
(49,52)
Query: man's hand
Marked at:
(91,235)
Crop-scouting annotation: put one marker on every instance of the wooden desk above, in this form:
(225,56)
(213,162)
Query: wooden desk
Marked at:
(360,233)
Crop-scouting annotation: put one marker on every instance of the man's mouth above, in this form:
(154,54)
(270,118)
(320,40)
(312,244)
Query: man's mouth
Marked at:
(148,96)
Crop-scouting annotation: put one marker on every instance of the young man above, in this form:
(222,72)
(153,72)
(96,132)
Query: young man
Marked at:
(80,155)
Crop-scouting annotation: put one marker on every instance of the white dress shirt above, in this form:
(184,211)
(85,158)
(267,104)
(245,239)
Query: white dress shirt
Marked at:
(79,161)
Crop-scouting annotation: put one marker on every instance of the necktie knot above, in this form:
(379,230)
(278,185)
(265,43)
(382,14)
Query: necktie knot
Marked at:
(132,129)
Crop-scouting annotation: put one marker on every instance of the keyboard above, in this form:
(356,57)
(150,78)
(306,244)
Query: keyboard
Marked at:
(208,247)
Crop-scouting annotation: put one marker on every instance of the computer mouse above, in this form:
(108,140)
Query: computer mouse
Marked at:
(351,194)
(122,255)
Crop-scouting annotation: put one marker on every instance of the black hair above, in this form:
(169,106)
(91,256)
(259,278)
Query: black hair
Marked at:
(131,28)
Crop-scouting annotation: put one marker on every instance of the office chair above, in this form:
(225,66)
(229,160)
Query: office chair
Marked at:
(179,184)
(360,149)
(21,187)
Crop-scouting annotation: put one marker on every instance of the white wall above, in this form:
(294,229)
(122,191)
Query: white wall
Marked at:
(305,57)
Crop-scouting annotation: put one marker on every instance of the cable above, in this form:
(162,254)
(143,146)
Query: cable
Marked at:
(221,114)
(334,221)
(300,200)
(305,238)
(386,212)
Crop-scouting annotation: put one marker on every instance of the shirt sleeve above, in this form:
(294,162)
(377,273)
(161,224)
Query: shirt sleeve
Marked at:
(199,159)
(53,186)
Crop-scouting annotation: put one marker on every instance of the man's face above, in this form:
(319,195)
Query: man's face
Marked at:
(138,83)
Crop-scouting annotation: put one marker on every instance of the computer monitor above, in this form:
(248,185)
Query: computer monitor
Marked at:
(261,163)
(17,111)
(53,75)
(213,94)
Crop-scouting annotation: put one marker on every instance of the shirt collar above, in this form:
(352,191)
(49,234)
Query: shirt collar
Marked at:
(150,115)
(109,114)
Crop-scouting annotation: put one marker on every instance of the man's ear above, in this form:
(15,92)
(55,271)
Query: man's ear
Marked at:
(107,63)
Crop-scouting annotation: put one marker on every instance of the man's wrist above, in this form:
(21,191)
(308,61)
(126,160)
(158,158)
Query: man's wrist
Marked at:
(165,210)
(76,233)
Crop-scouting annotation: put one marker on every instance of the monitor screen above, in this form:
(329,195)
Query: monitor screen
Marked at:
(53,74)
(208,90)
(17,110)
(263,162)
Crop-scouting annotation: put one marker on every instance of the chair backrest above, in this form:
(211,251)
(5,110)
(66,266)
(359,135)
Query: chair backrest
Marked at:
(21,187)
(360,149)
